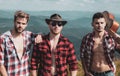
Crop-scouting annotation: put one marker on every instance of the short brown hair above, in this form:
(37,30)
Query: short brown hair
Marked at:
(21,14)
(99,15)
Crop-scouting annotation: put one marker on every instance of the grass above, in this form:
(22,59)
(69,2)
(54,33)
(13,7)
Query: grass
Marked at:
(117,62)
(81,73)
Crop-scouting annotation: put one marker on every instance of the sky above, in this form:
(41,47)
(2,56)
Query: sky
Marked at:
(61,5)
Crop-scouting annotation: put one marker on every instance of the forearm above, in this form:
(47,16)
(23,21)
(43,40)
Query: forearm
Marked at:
(84,66)
(115,36)
(3,71)
(74,73)
(33,72)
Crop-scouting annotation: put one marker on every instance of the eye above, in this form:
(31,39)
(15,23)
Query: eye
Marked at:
(59,23)
(23,23)
(18,22)
(53,23)
(97,23)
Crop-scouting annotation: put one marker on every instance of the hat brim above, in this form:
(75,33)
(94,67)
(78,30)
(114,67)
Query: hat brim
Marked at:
(48,20)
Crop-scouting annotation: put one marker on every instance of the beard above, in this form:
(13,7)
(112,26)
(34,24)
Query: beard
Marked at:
(19,30)
(99,29)
(54,32)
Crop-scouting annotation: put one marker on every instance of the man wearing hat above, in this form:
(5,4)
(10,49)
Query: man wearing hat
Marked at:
(98,47)
(52,56)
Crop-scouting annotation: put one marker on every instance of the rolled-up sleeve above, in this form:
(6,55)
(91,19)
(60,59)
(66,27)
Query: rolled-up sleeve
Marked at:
(35,58)
(72,60)
(82,47)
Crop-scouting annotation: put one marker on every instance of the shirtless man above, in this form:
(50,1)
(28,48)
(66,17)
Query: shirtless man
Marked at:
(15,47)
(97,49)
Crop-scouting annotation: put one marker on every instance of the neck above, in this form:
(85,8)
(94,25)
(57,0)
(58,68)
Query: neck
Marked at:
(54,37)
(99,34)
(15,34)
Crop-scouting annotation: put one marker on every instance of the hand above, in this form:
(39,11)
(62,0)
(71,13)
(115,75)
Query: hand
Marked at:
(38,39)
(88,74)
(53,70)
(117,39)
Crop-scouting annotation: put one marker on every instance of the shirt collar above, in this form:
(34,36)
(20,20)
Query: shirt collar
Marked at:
(105,34)
(8,33)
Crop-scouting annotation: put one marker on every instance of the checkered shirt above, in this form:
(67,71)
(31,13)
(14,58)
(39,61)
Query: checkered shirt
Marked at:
(9,58)
(64,55)
(86,49)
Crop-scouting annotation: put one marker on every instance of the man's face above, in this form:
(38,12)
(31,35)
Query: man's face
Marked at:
(55,27)
(20,24)
(99,24)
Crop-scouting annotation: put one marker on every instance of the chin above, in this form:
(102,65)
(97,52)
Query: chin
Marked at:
(55,33)
(99,31)
(20,31)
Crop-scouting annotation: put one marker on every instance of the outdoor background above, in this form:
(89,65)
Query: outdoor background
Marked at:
(78,13)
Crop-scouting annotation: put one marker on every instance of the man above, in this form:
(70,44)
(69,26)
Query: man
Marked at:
(52,56)
(97,48)
(15,46)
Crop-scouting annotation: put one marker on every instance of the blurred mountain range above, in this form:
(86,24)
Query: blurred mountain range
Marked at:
(79,23)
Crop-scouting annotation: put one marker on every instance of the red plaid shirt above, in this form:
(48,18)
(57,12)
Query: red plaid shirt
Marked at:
(9,58)
(87,47)
(65,54)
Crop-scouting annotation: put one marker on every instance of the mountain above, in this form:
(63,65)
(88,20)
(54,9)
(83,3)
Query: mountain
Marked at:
(79,24)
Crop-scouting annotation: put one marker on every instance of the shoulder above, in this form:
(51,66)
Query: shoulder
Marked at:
(27,32)
(89,35)
(5,34)
(65,40)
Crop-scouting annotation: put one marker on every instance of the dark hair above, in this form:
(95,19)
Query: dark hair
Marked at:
(98,15)
(21,14)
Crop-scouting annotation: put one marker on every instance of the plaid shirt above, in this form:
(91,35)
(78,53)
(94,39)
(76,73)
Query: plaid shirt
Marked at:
(87,48)
(9,58)
(65,54)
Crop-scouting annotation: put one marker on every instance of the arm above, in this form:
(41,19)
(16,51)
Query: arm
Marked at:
(73,73)
(84,67)
(82,52)
(2,67)
(87,73)
(82,56)
(36,38)
(114,35)
(33,72)
(72,60)
(34,61)
(3,70)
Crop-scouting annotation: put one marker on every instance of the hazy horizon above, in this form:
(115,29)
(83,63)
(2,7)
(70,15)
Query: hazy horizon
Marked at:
(61,5)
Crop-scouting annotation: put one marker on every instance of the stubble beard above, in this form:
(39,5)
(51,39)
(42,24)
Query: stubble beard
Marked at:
(55,33)
(18,31)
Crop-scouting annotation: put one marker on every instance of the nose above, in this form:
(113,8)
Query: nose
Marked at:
(20,24)
(57,25)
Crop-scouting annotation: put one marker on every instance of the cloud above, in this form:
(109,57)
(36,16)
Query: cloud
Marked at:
(73,5)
